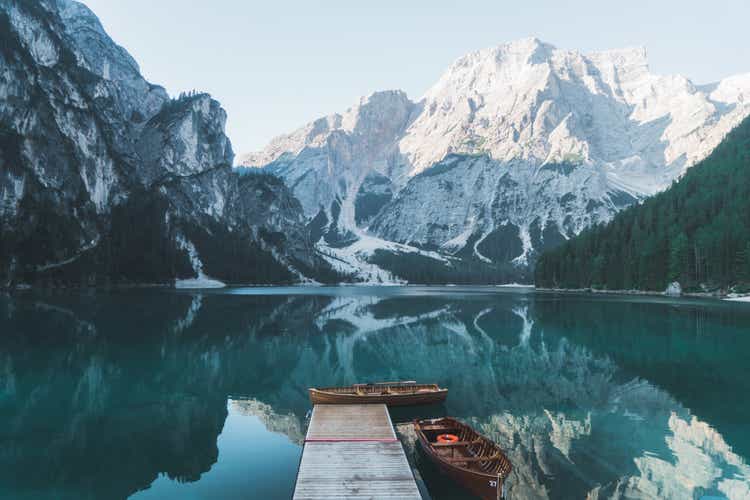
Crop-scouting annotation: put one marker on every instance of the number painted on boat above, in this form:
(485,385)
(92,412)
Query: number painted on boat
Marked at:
(493,484)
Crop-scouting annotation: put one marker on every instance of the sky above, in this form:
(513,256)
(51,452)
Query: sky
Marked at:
(276,65)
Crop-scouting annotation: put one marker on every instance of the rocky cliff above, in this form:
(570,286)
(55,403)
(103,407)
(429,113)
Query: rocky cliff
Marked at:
(105,179)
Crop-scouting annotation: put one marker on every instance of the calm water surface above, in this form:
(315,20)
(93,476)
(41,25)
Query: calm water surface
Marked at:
(166,394)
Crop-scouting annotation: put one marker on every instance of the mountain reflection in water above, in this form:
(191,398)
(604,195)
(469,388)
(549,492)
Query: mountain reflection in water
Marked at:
(154,393)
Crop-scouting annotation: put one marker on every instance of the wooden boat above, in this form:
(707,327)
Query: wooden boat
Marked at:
(465,456)
(390,393)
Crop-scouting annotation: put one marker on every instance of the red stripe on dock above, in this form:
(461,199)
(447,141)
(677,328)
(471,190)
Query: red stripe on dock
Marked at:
(351,440)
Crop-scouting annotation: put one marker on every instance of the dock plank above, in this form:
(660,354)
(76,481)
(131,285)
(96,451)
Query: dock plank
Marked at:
(355,470)
(350,422)
(364,459)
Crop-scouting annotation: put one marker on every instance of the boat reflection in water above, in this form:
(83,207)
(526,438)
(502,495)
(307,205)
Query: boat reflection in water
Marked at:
(162,394)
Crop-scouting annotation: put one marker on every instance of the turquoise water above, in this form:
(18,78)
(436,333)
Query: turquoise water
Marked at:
(165,394)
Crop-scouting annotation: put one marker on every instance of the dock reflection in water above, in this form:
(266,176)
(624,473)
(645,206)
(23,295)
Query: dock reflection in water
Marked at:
(160,394)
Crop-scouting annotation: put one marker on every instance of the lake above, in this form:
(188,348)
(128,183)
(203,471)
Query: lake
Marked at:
(202,395)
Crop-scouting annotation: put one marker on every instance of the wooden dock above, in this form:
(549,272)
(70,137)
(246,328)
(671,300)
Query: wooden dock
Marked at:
(351,451)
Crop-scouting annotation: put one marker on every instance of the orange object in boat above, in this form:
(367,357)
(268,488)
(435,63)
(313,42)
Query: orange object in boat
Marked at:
(447,438)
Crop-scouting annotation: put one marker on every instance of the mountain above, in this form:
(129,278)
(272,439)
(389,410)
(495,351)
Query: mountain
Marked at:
(696,233)
(515,149)
(105,179)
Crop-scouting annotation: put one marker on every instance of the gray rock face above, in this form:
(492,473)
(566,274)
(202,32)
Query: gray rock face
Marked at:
(184,139)
(514,208)
(329,160)
(105,179)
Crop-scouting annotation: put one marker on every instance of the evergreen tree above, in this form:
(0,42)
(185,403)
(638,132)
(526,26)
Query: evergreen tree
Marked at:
(743,263)
(678,257)
(697,232)
(598,272)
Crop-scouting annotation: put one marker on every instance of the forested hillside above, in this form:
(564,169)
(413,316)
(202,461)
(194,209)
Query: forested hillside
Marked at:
(697,233)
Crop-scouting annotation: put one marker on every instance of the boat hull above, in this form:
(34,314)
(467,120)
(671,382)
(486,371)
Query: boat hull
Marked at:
(485,485)
(322,397)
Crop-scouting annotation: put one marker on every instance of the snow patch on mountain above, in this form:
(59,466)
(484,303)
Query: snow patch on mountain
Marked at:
(354,260)
(201,280)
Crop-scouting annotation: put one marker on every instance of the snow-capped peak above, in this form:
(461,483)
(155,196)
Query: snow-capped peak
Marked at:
(376,112)
(516,97)
(523,137)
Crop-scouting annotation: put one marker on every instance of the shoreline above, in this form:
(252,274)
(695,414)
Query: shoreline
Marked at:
(727,296)
(180,285)
(647,293)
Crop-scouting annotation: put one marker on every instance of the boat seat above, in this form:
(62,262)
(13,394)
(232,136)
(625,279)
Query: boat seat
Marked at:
(457,443)
(438,428)
(493,458)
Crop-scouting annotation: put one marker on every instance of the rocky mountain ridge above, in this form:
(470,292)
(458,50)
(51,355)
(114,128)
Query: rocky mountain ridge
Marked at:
(514,150)
(106,180)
